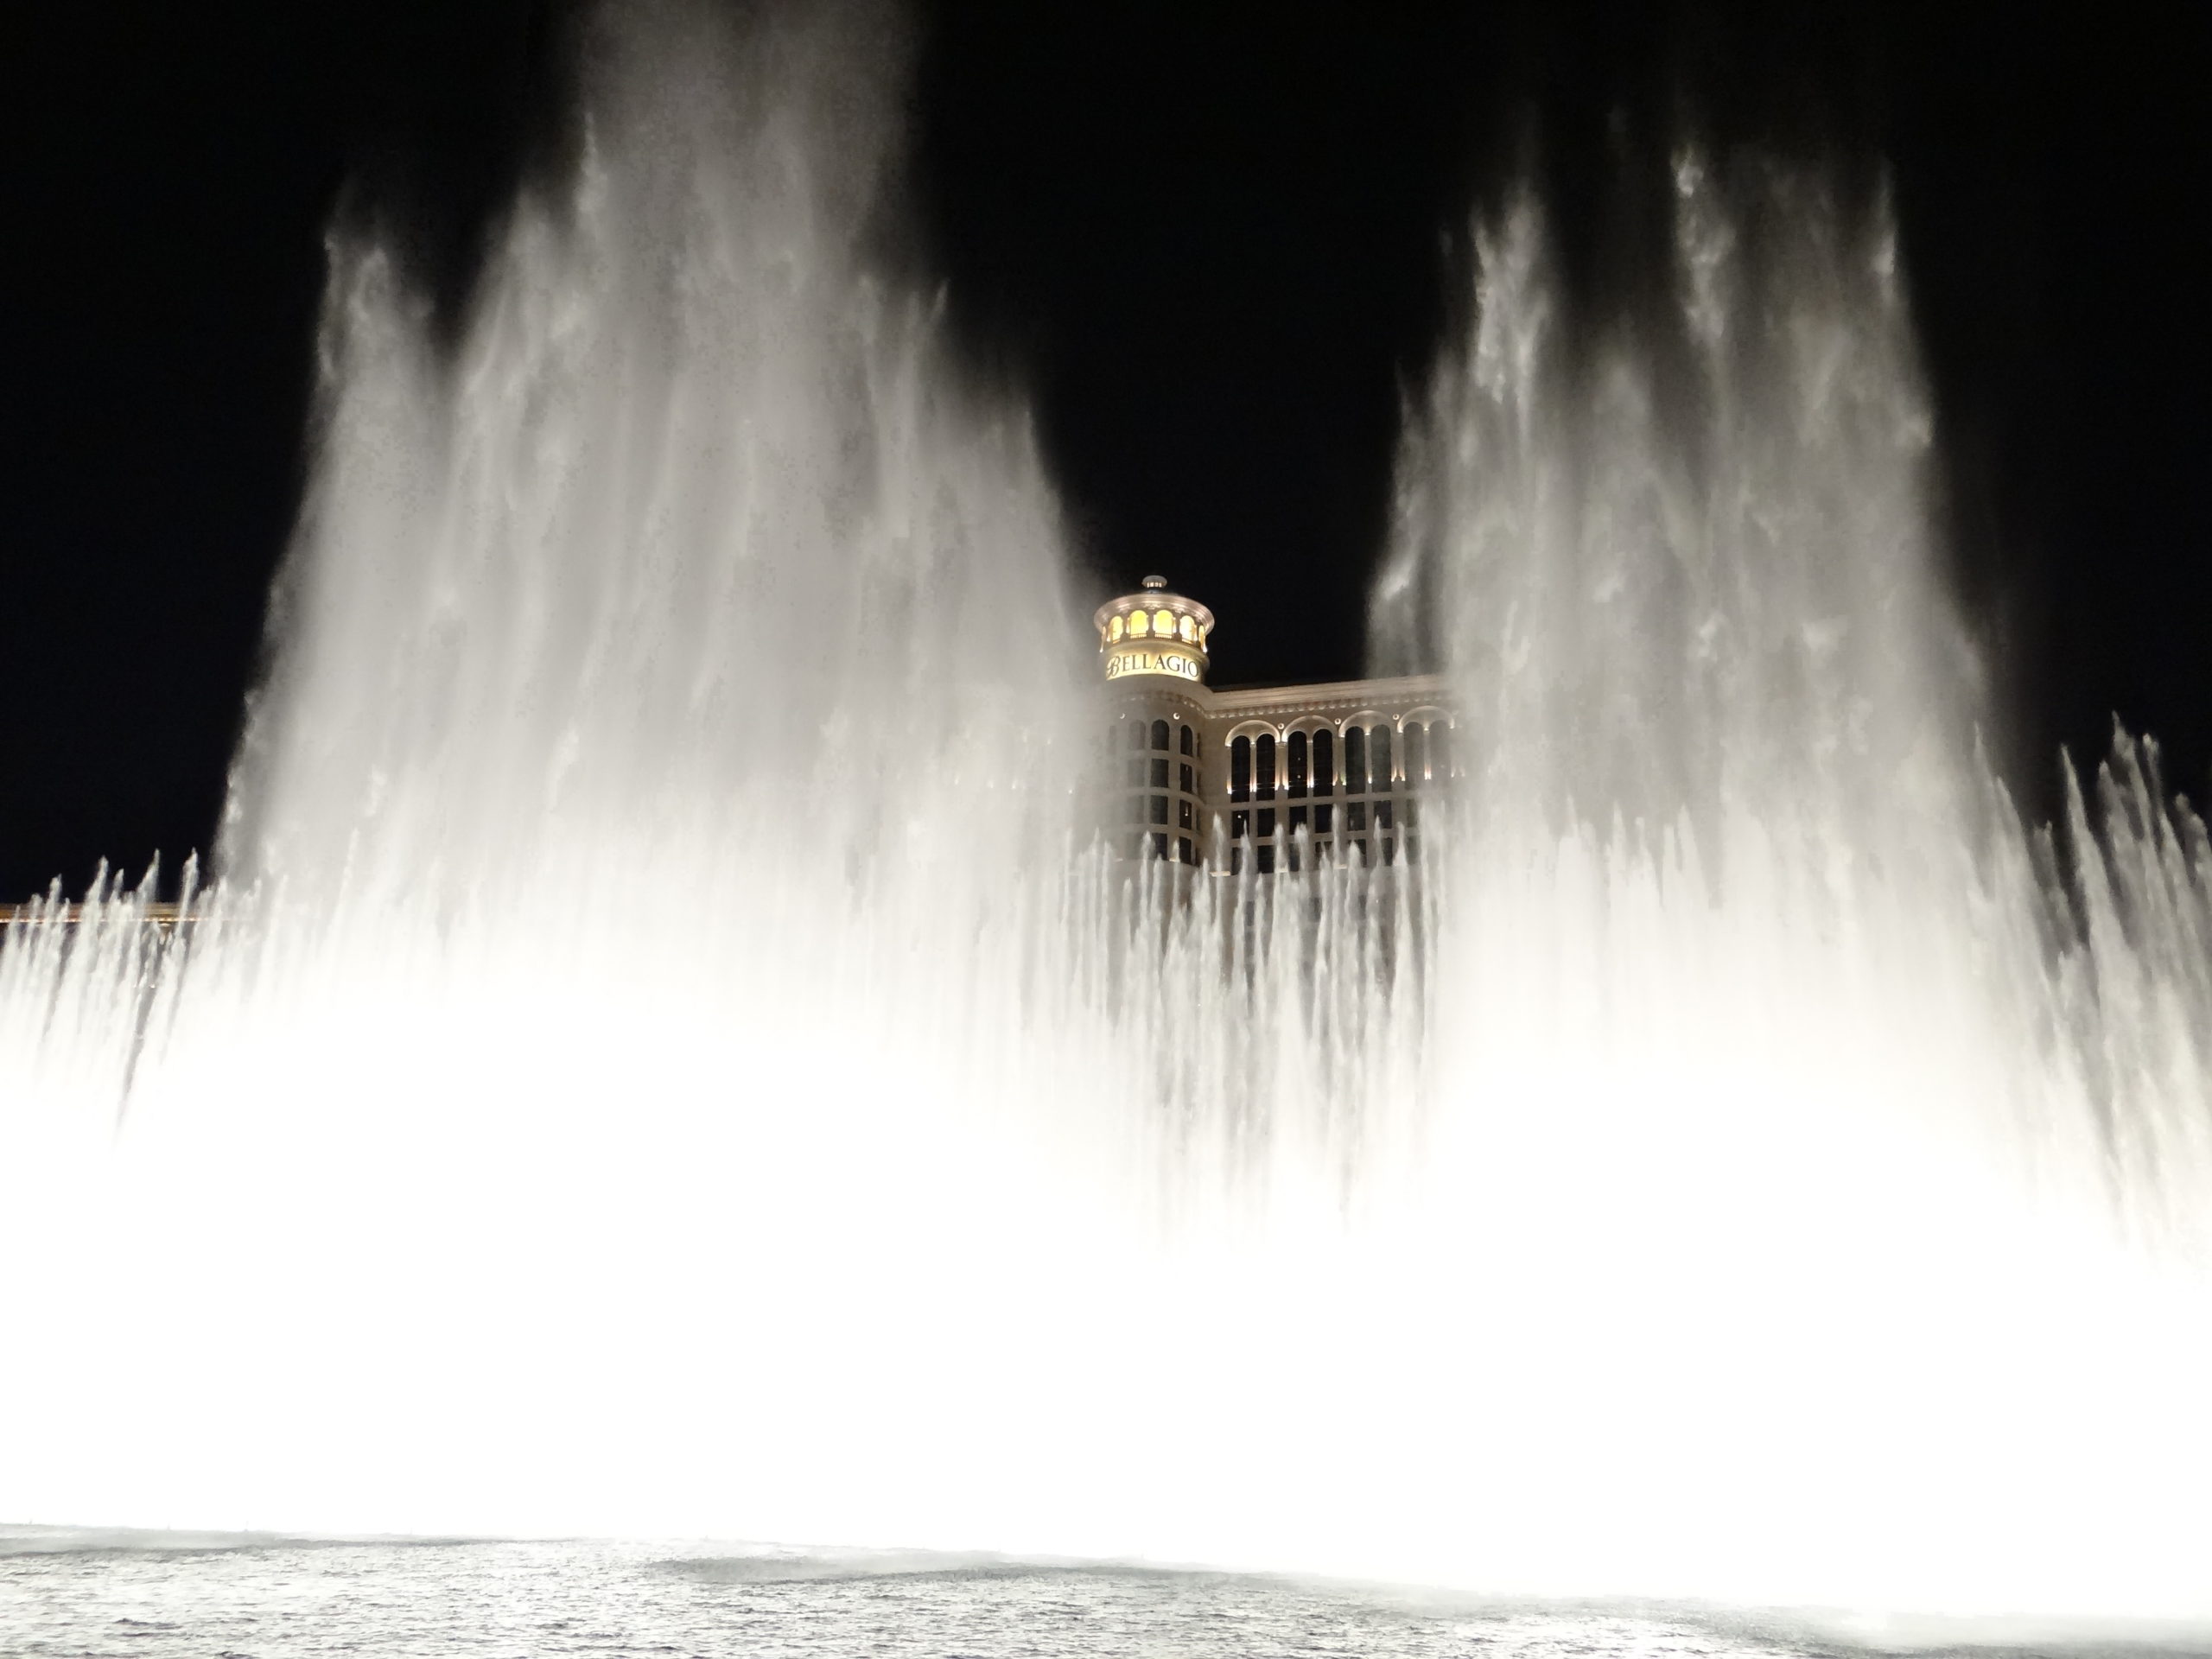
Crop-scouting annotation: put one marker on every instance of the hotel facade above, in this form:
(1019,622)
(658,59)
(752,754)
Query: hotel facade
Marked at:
(1265,778)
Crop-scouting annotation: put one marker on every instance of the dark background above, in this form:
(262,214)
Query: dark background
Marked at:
(1216,241)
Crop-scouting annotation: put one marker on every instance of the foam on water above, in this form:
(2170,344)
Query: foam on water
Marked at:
(663,1055)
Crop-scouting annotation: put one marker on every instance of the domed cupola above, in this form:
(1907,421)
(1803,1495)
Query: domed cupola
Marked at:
(1154,633)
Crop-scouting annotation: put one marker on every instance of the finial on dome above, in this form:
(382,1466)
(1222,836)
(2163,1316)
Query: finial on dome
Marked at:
(1155,583)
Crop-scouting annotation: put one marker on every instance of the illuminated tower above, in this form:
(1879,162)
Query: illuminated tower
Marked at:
(1153,645)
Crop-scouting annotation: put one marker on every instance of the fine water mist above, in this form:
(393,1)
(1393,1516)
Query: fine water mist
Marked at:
(667,1053)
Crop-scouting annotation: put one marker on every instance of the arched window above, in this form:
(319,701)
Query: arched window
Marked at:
(1139,625)
(1416,755)
(1324,763)
(1379,758)
(1188,630)
(1263,754)
(1355,762)
(1163,624)
(1297,762)
(1114,631)
(1158,733)
(1190,744)
(1240,770)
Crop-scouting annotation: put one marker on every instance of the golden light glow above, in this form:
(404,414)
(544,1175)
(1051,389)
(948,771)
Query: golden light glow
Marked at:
(1188,630)
(1139,625)
(1113,630)
(1163,623)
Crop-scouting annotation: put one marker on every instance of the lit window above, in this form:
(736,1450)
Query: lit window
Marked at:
(1113,630)
(1188,631)
(1139,625)
(1163,624)
(1183,815)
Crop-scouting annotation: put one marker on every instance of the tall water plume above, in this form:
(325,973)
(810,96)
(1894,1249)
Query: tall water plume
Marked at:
(1774,1061)
(663,1055)
(697,523)
(634,875)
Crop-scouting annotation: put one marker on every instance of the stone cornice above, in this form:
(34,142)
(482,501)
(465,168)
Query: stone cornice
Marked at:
(1332,693)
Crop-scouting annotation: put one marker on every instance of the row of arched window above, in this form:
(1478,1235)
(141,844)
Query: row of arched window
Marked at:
(1153,750)
(1308,763)
(1162,756)
(1155,625)
(1135,735)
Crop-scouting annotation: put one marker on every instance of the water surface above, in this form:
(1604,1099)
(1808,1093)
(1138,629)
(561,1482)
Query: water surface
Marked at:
(91,1595)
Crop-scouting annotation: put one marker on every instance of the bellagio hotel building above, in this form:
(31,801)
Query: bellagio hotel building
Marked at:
(1262,778)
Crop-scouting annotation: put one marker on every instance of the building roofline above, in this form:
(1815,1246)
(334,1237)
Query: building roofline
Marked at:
(1399,687)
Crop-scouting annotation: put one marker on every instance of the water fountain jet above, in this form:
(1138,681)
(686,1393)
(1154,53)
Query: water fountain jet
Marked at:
(666,1053)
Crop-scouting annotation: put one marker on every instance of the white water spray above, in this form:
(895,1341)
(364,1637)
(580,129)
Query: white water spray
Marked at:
(663,1058)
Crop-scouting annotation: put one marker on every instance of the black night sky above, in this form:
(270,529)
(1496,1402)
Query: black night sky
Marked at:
(1215,242)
